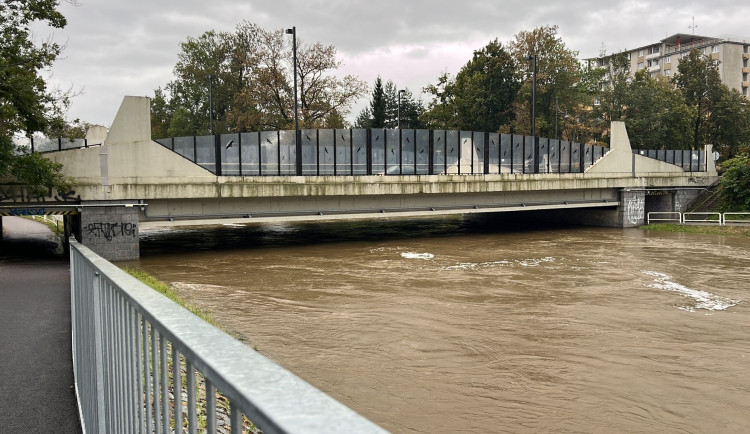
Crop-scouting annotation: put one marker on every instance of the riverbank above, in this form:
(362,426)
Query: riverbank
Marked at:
(736,231)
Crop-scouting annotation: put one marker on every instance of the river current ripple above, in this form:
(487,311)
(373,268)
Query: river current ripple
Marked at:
(452,325)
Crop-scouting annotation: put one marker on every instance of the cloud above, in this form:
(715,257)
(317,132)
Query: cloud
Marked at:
(117,48)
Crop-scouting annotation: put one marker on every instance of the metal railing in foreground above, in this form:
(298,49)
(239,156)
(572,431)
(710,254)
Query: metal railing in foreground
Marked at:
(144,364)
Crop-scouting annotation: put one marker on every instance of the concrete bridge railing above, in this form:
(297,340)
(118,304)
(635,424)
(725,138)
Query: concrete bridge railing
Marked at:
(132,348)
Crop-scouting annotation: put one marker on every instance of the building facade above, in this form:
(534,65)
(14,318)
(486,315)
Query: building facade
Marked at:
(662,58)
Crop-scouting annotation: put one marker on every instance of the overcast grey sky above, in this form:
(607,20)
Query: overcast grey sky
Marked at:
(117,48)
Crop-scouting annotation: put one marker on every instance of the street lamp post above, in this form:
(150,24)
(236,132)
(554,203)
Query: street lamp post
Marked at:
(533,115)
(398,116)
(297,144)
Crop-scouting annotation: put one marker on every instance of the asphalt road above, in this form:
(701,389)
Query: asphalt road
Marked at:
(36,381)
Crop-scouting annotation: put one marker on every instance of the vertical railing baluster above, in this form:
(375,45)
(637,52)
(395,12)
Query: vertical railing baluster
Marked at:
(210,407)
(191,401)
(139,324)
(147,374)
(99,353)
(235,418)
(164,373)
(177,386)
(155,377)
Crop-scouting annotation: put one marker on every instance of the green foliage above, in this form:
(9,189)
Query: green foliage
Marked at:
(729,127)
(26,105)
(656,114)
(251,71)
(699,81)
(39,174)
(735,184)
(481,96)
(384,108)
(558,77)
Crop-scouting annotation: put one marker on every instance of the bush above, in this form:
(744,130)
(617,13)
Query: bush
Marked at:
(735,183)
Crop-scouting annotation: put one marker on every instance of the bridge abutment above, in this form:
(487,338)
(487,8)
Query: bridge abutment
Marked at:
(109,228)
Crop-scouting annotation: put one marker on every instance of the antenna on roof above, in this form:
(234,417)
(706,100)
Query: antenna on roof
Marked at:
(694,25)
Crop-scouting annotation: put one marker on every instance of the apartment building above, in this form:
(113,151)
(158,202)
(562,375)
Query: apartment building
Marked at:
(662,58)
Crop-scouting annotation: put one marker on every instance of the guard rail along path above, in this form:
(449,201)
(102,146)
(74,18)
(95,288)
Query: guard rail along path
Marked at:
(132,346)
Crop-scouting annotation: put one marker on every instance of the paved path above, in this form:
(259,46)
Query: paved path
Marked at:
(36,381)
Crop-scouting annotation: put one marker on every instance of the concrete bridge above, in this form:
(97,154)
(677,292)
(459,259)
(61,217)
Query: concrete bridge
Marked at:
(126,181)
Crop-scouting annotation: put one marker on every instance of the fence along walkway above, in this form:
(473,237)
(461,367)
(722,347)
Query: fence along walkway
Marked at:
(382,152)
(132,346)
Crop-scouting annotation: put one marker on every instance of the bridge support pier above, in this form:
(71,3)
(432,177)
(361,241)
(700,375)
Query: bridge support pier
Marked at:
(109,228)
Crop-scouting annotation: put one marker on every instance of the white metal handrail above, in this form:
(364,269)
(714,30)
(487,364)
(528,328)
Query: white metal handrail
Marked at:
(736,221)
(126,336)
(655,216)
(688,217)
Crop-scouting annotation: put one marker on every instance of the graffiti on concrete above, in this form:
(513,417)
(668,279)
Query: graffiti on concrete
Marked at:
(110,231)
(634,210)
(677,205)
(26,211)
(19,193)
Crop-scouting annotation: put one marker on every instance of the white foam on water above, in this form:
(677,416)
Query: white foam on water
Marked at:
(474,265)
(412,255)
(233,225)
(535,262)
(703,300)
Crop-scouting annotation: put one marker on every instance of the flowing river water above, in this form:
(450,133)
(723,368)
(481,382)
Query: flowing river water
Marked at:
(453,325)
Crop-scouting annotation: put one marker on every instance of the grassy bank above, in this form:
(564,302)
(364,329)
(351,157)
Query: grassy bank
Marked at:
(737,231)
(161,287)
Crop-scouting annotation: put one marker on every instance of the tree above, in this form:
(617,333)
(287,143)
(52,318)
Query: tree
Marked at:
(656,114)
(441,111)
(252,74)
(27,106)
(699,81)
(383,111)
(557,78)
(729,127)
(735,184)
(481,96)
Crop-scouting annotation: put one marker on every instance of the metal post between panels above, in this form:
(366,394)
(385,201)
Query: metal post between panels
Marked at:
(335,169)
(278,152)
(458,146)
(430,152)
(414,144)
(368,149)
(351,151)
(239,152)
(445,152)
(260,156)
(581,157)
(400,151)
(317,152)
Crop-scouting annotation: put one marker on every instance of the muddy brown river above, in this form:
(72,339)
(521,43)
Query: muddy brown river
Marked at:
(451,325)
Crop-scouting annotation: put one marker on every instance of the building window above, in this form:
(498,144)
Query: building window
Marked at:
(640,65)
(632,53)
(640,53)
(715,49)
(668,59)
